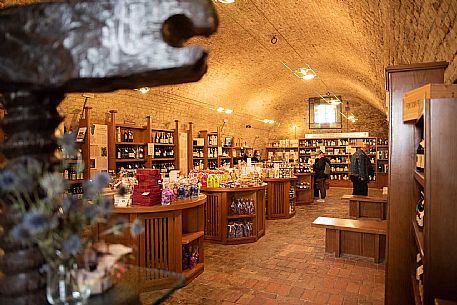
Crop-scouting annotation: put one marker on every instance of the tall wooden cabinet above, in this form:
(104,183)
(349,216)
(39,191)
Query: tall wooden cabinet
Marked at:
(402,190)
(436,242)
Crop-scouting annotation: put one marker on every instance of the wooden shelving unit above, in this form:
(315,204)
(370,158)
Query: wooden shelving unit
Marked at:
(171,137)
(404,238)
(304,195)
(218,215)
(437,125)
(142,138)
(283,150)
(280,204)
(118,148)
(190,237)
(168,230)
(75,184)
(337,148)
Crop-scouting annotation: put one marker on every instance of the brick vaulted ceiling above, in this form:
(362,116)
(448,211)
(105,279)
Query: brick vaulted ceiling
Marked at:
(347,42)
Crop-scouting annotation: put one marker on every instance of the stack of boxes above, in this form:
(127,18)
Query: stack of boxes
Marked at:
(148,192)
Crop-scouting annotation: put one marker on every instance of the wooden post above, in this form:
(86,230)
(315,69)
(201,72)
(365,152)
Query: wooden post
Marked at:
(112,140)
(176,136)
(86,122)
(190,148)
(148,154)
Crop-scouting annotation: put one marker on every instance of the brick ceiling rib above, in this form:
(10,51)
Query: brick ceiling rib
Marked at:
(347,42)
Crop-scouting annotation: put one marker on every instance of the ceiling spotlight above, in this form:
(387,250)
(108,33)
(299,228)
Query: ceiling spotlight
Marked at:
(220,109)
(228,111)
(305,74)
(225,1)
(143,90)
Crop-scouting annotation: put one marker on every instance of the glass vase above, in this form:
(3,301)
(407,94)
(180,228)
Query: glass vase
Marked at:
(66,286)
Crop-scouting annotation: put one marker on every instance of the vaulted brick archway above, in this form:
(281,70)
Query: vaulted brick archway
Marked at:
(348,44)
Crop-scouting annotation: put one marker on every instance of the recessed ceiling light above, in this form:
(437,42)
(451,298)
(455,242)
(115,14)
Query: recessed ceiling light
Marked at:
(143,90)
(220,109)
(305,74)
(228,111)
(225,1)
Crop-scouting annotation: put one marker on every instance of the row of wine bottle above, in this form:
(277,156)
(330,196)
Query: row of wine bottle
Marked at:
(124,135)
(129,152)
(72,173)
(163,138)
(212,140)
(164,152)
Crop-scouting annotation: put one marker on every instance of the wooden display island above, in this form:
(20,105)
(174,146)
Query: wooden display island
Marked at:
(281,197)
(226,223)
(169,231)
(305,195)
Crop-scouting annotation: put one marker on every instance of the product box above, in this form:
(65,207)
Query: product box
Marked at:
(199,141)
(122,201)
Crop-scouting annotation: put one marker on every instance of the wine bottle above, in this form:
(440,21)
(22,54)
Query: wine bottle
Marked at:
(126,136)
(118,131)
(420,156)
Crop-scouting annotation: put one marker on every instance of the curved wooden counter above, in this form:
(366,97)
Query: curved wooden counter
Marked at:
(218,214)
(167,229)
(305,195)
(279,203)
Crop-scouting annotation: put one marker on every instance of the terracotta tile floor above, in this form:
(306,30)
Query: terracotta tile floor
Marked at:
(287,266)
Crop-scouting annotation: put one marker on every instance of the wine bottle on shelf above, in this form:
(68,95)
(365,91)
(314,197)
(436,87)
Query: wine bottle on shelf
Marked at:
(420,156)
(126,136)
(119,153)
(118,134)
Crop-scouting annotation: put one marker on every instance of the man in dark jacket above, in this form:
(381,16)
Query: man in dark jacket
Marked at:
(320,176)
(360,169)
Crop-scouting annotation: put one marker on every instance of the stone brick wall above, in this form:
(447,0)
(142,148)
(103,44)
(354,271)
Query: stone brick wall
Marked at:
(369,119)
(135,107)
(348,42)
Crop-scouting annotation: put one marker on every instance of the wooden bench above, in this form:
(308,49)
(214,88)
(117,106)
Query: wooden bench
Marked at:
(367,206)
(358,237)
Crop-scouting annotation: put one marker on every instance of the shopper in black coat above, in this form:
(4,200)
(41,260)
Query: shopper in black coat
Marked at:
(320,176)
(361,169)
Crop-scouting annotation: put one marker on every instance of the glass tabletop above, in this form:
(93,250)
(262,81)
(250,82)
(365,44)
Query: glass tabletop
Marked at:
(139,285)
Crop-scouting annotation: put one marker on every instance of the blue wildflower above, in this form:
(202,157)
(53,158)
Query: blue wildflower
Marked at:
(8,181)
(136,228)
(67,142)
(20,233)
(91,212)
(36,222)
(69,203)
(53,184)
(34,167)
(105,205)
(72,244)
(101,180)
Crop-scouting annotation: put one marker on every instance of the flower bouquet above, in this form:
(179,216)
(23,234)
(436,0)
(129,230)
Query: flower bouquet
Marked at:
(47,216)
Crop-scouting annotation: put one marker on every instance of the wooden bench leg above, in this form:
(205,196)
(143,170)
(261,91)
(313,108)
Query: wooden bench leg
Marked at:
(338,243)
(377,242)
